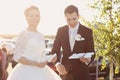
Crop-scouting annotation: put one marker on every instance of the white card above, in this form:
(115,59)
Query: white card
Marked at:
(78,55)
(50,57)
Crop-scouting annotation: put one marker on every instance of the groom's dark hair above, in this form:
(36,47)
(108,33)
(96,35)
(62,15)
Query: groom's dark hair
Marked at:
(70,9)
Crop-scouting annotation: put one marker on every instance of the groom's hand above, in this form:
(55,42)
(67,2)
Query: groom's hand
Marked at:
(61,69)
(85,60)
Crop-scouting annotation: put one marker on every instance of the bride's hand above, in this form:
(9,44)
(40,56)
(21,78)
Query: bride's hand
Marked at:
(42,64)
(54,59)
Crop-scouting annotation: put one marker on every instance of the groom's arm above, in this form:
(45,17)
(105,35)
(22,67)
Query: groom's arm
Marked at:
(90,44)
(57,46)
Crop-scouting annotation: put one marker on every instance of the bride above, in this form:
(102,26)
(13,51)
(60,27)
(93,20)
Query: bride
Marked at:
(29,52)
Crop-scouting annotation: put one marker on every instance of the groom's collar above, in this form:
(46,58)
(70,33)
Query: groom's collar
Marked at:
(76,27)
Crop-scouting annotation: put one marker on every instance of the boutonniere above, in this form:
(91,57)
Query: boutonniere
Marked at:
(78,37)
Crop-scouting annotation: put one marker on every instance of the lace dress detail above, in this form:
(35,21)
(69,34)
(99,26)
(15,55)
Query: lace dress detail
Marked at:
(31,45)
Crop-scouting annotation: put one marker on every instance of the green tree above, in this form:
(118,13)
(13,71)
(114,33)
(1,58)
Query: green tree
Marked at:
(106,27)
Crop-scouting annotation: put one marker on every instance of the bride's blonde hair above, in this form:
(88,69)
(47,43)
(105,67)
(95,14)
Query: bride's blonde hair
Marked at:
(26,12)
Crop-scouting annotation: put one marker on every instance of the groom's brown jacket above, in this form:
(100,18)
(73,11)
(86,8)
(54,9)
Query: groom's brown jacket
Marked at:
(87,45)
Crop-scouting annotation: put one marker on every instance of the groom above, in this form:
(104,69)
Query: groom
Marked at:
(73,38)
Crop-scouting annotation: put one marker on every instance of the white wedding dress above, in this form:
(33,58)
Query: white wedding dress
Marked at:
(31,45)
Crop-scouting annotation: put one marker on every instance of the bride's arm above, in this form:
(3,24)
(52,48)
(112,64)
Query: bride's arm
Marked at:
(26,61)
(21,43)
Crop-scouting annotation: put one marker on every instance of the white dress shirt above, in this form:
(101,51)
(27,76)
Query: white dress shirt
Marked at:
(72,34)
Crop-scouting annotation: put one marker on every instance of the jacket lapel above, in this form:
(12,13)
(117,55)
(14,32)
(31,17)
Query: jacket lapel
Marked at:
(67,38)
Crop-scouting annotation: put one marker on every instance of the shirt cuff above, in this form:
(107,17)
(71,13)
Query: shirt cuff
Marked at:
(57,64)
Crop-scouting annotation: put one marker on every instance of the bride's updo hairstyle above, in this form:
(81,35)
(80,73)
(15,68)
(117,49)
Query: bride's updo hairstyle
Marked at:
(30,9)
